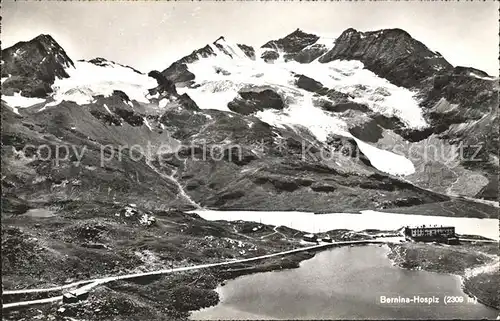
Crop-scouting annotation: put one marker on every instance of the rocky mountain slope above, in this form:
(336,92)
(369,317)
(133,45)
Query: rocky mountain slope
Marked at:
(302,123)
(32,67)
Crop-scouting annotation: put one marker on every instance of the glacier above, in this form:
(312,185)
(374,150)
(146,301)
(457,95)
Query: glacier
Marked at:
(214,90)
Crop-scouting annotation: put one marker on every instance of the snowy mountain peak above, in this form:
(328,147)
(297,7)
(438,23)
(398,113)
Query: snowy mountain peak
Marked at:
(98,61)
(293,42)
(40,69)
(297,46)
(294,89)
(232,50)
(381,93)
(101,77)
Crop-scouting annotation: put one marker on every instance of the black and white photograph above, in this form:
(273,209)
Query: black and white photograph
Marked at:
(250,160)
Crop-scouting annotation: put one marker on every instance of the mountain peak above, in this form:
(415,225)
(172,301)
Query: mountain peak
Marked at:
(44,37)
(349,30)
(36,64)
(391,53)
(391,32)
(292,43)
(394,31)
(299,32)
(103,62)
(99,61)
(220,38)
(44,44)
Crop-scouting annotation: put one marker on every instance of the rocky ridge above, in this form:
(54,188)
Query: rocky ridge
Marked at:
(261,165)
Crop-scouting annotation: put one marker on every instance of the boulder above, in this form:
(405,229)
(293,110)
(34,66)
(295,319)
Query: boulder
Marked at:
(251,101)
(270,55)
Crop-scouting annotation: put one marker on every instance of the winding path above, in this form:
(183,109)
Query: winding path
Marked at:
(90,284)
(275,229)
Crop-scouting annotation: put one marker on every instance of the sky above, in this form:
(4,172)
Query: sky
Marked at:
(152,34)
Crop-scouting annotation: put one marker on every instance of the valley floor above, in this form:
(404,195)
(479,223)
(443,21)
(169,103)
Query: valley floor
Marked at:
(71,241)
(74,241)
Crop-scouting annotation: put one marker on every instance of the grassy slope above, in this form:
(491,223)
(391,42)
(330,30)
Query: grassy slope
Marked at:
(89,240)
(486,287)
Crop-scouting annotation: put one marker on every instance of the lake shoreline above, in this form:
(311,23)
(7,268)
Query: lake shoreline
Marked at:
(230,305)
(369,219)
(467,283)
(357,226)
(275,264)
